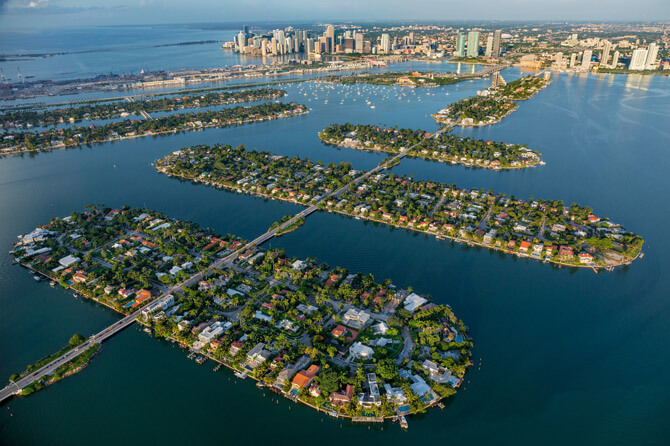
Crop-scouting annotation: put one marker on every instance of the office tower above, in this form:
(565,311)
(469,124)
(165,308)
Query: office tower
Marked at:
(473,44)
(358,42)
(489,45)
(586,59)
(241,41)
(638,59)
(460,44)
(496,43)
(411,38)
(386,43)
(330,35)
(559,58)
(604,57)
(615,59)
(573,60)
(652,53)
(245,30)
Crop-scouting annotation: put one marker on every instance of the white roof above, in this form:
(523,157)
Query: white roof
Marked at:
(414,301)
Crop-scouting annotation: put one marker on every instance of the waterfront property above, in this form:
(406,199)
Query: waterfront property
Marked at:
(546,230)
(266,319)
(17,142)
(443,147)
(26,118)
(492,105)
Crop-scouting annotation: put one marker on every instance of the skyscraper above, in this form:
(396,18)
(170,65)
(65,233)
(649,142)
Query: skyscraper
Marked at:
(473,44)
(489,45)
(604,57)
(615,59)
(359,42)
(586,59)
(496,43)
(638,59)
(652,53)
(573,60)
(460,44)
(330,36)
(386,43)
(241,41)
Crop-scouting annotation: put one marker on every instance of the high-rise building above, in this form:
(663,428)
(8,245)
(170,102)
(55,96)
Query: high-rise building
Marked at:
(573,60)
(358,42)
(460,44)
(496,43)
(605,55)
(615,59)
(330,35)
(473,44)
(638,59)
(411,38)
(241,41)
(586,59)
(386,43)
(489,45)
(652,53)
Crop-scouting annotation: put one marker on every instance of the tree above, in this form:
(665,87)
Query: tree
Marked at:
(387,369)
(329,381)
(76,340)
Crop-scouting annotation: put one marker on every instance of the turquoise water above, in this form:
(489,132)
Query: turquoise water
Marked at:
(567,356)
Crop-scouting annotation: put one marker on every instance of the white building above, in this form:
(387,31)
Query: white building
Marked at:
(638,59)
(414,301)
(68,261)
(356,318)
(652,54)
(360,351)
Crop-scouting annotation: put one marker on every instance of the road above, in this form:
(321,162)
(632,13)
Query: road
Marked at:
(110,331)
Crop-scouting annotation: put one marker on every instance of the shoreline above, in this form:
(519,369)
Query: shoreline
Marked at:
(417,156)
(595,268)
(5,152)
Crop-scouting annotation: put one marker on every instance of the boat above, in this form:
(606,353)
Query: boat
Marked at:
(52,283)
(241,375)
(37,278)
(147,330)
(403,422)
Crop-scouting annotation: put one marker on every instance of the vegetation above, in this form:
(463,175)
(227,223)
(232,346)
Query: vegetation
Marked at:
(73,136)
(20,118)
(445,147)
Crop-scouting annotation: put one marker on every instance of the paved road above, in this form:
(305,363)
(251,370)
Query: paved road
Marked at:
(110,331)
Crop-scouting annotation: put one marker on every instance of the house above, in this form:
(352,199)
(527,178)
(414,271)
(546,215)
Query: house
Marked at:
(299,265)
(565,251)
(126,293)
(235,347)
(372,398)
(356,318)
(338,331)
(213,331)
(68,261)
(305,377)
(360,351)
(289,371)
(414,301)
(342,397)
(585,257)
(79,277)
(524,246)
(439,374)
(380,329)
(395,395)
(262,316)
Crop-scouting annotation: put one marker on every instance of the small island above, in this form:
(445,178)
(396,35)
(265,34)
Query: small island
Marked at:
(73,366)
(20,119)
(338,341)
(444,147)
(19,142)
(545,230)
(492,105)
(412,79)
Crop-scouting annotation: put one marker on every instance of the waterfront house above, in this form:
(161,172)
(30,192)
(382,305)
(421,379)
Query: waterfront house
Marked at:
(414,301)
(305,377)
(235,347)
(342,397)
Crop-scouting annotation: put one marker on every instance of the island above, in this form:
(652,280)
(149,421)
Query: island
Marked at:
(30,117)
(73,366)
(19,142)
(444,147)
(402,78)
(492,105)
(545,230)
(337,341)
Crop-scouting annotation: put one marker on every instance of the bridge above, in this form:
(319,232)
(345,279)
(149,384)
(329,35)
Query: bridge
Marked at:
(16,387)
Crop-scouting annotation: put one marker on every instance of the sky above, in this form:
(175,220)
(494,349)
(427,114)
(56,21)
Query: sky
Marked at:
(53,13)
